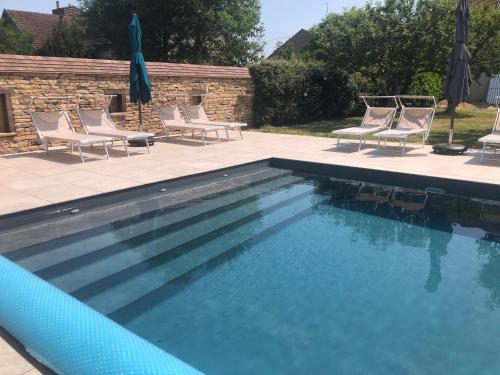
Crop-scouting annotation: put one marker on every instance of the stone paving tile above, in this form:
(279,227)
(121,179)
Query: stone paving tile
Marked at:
(33,372)
(61,192)
(11,362)
(28,183)
(13,200)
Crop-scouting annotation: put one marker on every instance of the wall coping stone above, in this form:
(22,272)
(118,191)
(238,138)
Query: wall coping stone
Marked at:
(22,65)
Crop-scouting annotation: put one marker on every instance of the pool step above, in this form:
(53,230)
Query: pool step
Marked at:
(133,284)
(87,242)
(76,273)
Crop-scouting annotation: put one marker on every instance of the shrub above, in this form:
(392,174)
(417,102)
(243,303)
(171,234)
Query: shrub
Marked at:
(294,91)
(427,83)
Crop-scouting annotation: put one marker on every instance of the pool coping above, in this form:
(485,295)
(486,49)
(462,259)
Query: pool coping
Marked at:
(473,189)
(21,350)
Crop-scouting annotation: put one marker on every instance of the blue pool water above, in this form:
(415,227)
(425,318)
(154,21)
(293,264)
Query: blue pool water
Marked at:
(298,275)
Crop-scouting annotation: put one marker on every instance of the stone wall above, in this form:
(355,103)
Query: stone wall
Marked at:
(229,99)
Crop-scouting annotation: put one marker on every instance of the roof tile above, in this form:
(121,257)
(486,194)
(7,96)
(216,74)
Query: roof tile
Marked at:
(39,24)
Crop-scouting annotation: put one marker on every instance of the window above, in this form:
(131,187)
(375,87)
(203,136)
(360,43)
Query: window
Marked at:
(195,100)
(118,102)
(196,95)
(6,118)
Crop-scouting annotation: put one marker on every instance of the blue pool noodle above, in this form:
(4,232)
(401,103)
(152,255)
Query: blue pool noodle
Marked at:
(71,338)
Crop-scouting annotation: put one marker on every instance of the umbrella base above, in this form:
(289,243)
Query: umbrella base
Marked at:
(449,149)
(140,142)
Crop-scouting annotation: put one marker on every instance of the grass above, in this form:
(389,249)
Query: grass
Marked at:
(471,124)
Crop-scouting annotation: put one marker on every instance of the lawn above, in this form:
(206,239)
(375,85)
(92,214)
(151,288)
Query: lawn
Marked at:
(470,125)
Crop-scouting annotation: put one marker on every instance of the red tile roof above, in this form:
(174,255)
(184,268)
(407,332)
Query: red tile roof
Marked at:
(39,24)
(65,65)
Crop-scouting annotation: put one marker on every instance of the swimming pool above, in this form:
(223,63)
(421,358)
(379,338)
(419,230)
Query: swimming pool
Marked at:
(266,270)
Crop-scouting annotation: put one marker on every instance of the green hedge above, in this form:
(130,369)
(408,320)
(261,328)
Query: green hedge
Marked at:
(427,83)
(291,92)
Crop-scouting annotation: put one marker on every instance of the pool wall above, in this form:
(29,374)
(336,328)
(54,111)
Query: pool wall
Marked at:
(71,338)
(472,189)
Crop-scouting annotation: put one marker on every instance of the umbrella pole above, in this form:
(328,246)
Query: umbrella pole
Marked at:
(452,124)
(140,116)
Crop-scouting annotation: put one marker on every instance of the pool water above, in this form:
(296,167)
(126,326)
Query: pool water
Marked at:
(297,274)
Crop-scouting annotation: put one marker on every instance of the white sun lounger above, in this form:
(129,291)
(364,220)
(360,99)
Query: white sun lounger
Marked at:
(492,139)
(375,120)
(99,122)
(412,121)
(55,126)
(172,119)
(197,115)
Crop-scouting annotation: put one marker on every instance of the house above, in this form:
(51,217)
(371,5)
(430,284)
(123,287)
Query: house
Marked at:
(296,43)
(41,25)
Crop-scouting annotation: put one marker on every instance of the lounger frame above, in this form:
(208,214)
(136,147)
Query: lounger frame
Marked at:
(494,131)
(362,137)
(403,136)
(226,125)
(46,139)
(105,110)
(203,129)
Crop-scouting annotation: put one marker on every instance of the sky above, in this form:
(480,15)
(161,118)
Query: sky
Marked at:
(281,18)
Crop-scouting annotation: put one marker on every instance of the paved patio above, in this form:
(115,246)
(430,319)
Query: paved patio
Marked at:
(35,179)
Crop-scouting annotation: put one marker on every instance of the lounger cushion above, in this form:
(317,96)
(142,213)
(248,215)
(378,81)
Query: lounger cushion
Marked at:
(171,118)
(375,120)
(399,133)
(83,139)
(99,122)
(190,127)
(121,134)
(229,125)
(491,138)
(55,126)
(197,115)
(359,130)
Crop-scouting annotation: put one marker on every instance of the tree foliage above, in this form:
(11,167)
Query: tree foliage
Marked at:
(484,40)
(68,39)
(13,41)
(386,44)
(427,83)
(225,32)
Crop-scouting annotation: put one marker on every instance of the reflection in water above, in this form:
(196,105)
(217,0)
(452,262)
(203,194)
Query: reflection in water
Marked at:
(489,275)
(445,213)
(438,247)
(410,212)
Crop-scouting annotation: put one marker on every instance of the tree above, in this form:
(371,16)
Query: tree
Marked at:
(13,41)
(68,40)
(388,44)
(225,32)
(484,40)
